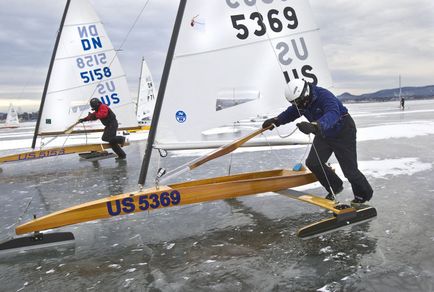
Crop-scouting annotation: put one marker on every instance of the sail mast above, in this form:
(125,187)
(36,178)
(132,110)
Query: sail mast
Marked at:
(47,80)
(161,91)
(140,85)
(400,92)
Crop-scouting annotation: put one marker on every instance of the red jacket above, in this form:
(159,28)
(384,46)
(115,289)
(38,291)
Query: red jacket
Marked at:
(103,113)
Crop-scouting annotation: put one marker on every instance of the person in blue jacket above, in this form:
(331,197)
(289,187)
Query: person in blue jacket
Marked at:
(335,132)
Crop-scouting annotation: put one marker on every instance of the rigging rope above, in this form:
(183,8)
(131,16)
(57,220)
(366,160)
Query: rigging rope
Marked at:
(20,218)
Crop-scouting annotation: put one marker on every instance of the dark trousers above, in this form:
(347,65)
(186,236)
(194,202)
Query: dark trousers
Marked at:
(114,141)
(344,148)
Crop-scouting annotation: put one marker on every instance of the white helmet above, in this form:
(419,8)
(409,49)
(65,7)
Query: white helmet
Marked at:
(296,88)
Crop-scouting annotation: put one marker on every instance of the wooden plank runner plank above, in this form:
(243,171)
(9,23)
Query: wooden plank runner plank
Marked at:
(317,201)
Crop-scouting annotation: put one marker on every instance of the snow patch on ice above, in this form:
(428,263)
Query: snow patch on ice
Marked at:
(127,282)
(399,130)
(210,261)
(115,266)
(324,289)
(393,113)
(377,169)
(327,249)
(170,246)
(392,167)
(24,286)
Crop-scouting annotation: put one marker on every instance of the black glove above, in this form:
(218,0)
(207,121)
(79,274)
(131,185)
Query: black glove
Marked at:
(308,128)
(271,122)
(81,120)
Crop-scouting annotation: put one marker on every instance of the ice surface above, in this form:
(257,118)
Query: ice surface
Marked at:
(247,243)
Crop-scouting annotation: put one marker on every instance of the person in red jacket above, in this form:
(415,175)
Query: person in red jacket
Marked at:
(107,117)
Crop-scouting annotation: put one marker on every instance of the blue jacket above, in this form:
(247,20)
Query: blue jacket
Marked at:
(324,108)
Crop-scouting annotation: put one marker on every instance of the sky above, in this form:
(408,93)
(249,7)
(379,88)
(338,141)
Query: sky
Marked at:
(367,44)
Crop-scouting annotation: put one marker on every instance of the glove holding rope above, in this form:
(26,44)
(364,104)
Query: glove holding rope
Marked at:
(274,122)
(308,128)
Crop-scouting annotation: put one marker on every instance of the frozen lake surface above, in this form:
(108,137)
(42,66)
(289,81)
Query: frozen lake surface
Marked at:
(245,244)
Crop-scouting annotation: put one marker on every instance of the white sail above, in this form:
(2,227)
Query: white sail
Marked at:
(12,117)
(147,97)
(85,66)
(232,61)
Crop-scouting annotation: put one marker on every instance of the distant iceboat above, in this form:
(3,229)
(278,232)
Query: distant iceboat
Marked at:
(83,65)
(146,96)
(12,120)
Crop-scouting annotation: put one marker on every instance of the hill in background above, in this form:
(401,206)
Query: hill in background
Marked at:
(409,93)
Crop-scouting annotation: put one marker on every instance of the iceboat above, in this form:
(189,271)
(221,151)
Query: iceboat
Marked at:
(217,46)
(84,65)
(12,120)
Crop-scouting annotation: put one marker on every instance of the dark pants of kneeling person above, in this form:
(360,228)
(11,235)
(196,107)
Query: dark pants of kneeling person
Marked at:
(114,141)
(344,148)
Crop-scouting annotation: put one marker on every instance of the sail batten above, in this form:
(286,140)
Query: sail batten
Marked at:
(84,23)
(75,56)
(82,86)
(244,45)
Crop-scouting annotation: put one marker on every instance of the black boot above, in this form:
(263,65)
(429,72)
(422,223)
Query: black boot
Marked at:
(337,191)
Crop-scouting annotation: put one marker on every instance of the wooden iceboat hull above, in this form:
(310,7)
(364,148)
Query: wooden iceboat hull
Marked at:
(55,151)
(140,128)
(218,188)
(9,127)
